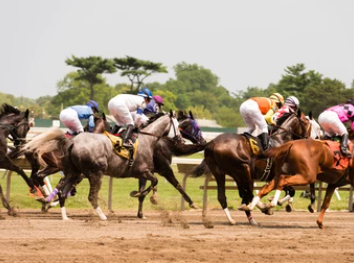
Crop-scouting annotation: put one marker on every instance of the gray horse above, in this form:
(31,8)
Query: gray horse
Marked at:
(91,155)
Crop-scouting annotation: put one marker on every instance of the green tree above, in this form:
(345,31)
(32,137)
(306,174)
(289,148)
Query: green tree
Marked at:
(137,70)
(90,70)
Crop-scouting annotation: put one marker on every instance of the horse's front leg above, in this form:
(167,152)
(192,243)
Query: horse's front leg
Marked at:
(95,180)
(142,185)
(326,201)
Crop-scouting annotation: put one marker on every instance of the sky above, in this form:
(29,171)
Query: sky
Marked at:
(245,43)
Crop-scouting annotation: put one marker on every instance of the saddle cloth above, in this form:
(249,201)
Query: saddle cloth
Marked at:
(340,162)
(117,146)
(254,142)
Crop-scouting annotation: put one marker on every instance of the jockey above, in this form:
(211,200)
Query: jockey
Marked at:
(128,109)
(159,100)
(71,117)
(258,111)
(154,106)
(291,105)
(332,119)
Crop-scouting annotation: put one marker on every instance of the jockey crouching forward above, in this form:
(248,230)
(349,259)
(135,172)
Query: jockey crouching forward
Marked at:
(71,117)
(332,119)
(258,111)
(291,105)
(128,109)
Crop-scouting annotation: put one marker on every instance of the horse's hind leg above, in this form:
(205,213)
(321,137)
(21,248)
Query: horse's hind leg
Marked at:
(95,181)
(5,203)
(311,206)
(325,204)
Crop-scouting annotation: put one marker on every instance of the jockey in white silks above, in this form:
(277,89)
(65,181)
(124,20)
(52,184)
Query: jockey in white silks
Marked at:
(131,110)
(71,117)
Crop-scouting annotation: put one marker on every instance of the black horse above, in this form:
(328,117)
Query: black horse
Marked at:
(14,125)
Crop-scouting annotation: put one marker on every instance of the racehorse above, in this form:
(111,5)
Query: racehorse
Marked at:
(53,159)
(306,161)
(164,151)
(91,155)
(15,124)
(231,154)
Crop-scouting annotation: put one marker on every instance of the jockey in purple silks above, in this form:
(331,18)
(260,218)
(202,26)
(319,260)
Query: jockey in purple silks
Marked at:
(332,119)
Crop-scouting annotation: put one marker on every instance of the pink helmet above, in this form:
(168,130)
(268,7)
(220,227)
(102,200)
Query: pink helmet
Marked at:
(158,99)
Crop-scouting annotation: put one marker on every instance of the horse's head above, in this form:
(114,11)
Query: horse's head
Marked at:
(291,126)
(163,124)
(16,122)
(189,128)
(315,128)
(101,124)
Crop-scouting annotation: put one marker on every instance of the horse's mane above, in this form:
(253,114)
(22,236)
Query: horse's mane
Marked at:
(7,109)
(153,118)
(283,118)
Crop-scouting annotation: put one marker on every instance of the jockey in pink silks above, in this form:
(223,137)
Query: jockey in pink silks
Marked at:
(332,119)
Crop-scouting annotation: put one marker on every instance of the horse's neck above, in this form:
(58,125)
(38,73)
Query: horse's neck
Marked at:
(158,127)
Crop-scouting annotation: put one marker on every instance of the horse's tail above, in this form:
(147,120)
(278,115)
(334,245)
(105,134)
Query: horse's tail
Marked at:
(280,152)
(47,142)
(199,170)
(183,149)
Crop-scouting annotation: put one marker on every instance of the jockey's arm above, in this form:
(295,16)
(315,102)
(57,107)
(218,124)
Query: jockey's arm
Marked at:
(91,123)
(268,117)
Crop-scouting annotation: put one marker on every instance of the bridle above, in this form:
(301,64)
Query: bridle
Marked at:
(13,132)
(177,138)
(196,136)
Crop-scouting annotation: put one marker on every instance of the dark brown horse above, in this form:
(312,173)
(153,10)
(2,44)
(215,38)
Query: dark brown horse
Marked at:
(306,161)
(14,125)
(231,154)
(165,149)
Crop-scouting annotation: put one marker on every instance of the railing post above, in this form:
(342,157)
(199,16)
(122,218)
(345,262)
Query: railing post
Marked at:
(110,187)
(184,183)
(205,194)
(319,197)
(8,185)
(350,208)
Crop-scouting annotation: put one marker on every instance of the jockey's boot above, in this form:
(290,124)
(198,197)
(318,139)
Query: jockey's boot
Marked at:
(264,137)
(344,146)
(127,140)
(115,129)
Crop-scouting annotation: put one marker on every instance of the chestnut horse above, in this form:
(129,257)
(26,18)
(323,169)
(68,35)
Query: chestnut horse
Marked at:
(306,161)
(231,154)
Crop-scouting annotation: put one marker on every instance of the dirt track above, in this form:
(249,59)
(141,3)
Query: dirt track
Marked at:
(175,237)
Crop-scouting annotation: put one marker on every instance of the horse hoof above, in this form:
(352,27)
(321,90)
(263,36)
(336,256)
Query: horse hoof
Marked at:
(232,222)
(270,198)
(253,222)
(320,225)
(134,194)
(288,208)
(11,212)
(310,208)
(41,199)
(153,200)
(268,211)
(193,206)
(243,207)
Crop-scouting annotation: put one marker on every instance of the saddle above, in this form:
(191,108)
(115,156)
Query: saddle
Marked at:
(340,162)
(117,145)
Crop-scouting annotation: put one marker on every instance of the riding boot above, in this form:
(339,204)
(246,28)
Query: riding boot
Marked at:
(344,146)
(128,136)
(264,137)
(115,129)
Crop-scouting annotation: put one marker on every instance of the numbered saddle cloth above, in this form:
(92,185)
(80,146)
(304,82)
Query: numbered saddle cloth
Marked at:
(340,162)
(117,146)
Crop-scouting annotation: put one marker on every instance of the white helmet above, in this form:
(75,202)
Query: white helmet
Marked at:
(292,101)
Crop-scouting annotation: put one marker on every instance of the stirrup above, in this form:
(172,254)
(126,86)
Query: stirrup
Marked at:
(127,144)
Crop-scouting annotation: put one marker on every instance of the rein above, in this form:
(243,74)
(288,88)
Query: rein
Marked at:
(292,133)
(15,139)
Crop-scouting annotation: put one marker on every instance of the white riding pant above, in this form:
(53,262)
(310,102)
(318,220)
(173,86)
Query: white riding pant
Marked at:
(331,124)
(70,119)
(120,111)
(253,117)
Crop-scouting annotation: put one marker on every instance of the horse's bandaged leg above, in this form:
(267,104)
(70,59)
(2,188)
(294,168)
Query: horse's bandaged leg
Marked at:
(100,213)
(255,201)
(51,196)
(276,198)
(283,200)
(227,213)
(63,213)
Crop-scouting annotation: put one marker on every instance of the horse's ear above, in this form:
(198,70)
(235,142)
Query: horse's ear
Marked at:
(190,114)
(310,115)
(179,115)
(104,116)
(171,113)
(26,114)
(299,113)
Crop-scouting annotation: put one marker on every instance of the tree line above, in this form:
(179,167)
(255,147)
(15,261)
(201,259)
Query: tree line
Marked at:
(194,88)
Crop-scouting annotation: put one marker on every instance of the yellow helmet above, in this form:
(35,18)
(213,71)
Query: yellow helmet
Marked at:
(277,98)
